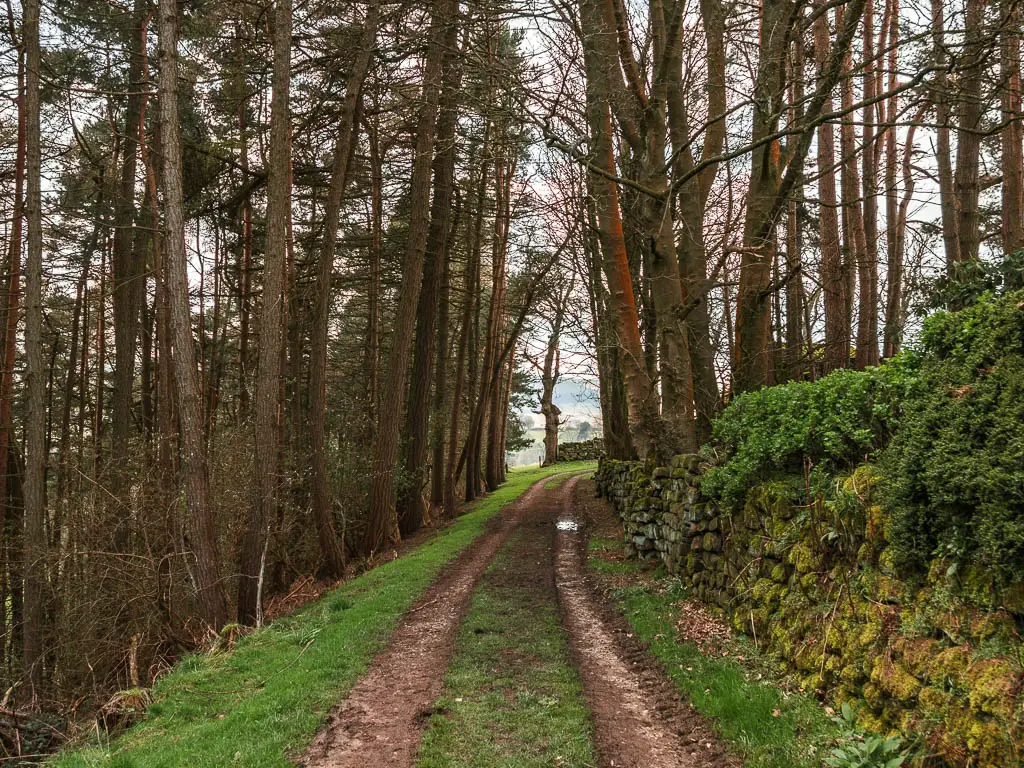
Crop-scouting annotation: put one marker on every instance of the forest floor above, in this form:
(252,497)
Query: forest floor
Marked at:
(519,637)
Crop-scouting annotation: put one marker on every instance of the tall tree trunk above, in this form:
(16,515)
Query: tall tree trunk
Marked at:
(614,416)
(867,266)
(894,312)
(837,321)
(752,355)
(35,368)
(129,284)
(639,391)
(13,299)
(382,526)
(245,232)
(372,349)
(199,502)
(549,380)
(894,252)
(692,199)
(1012,134)
(272,318)
(795,297)
(411,506)
(488,405)
(438,421)
(323,512)
(943,154)
(466,352)
(676,370)
(854,250)
(967,178)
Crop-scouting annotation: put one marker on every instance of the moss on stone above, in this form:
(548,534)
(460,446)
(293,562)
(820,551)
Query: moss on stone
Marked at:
(993,685)
(894,679)
(918,654)
(950,665)
(933,700)
(875,525)
(802,557)
(883,636)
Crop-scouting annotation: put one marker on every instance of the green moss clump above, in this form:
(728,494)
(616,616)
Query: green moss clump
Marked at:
(917,654)
(950,665)
(802,557)
(993,685)
(894,679)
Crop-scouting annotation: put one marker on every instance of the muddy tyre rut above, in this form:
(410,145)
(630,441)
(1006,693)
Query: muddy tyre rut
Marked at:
(380,721)
(639,719)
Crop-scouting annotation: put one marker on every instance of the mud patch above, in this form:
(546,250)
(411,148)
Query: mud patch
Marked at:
(381,720)
(640,720)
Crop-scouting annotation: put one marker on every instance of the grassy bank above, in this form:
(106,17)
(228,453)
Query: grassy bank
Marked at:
(768,726)
(261,703)
(512,697)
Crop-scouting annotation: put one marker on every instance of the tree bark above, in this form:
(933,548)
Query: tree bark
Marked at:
(323,513)
(639,390)
(382,527)
(837,326)
(891,331)
(549,374)
(967,177)
(35,368)
(129,279)
(1012,134)
(943,154)
(752,355)
(272,319)
(198,499)
(867,266)
(13,298)
(411,506)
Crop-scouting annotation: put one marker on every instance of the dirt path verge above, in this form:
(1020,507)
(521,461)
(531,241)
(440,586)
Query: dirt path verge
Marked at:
(380,721)
(639,719)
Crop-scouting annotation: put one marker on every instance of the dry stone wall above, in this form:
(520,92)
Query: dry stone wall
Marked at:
(936,659)
(588,450)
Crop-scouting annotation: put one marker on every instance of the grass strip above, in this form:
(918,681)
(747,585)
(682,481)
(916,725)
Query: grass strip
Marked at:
(564,476)
(261,703)
(769,726)
(512,697)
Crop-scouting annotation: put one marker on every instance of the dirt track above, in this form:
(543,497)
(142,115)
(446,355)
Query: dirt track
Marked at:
(638,716)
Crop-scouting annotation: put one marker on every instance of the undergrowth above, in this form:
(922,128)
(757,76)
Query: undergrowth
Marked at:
(943,422)
(260,704)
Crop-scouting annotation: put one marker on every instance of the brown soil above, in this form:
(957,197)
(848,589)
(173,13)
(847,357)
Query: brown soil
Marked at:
(640,720)
(380,721)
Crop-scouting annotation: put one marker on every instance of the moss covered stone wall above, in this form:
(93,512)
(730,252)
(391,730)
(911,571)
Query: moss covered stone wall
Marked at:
(588,450)
(936,659)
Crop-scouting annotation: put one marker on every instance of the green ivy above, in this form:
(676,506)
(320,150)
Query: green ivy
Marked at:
(833,423)
(955,469)
(944,421)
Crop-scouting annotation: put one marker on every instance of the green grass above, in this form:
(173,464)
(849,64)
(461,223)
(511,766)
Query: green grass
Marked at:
(512,697)
(261,704)
(561,479)
(768,727)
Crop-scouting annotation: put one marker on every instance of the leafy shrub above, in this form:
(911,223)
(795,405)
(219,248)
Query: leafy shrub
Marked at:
(835,422)
(976,281)
(858,750)
(944,421)
(955,469)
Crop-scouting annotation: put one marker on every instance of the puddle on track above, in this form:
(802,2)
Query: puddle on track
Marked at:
(568,525)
